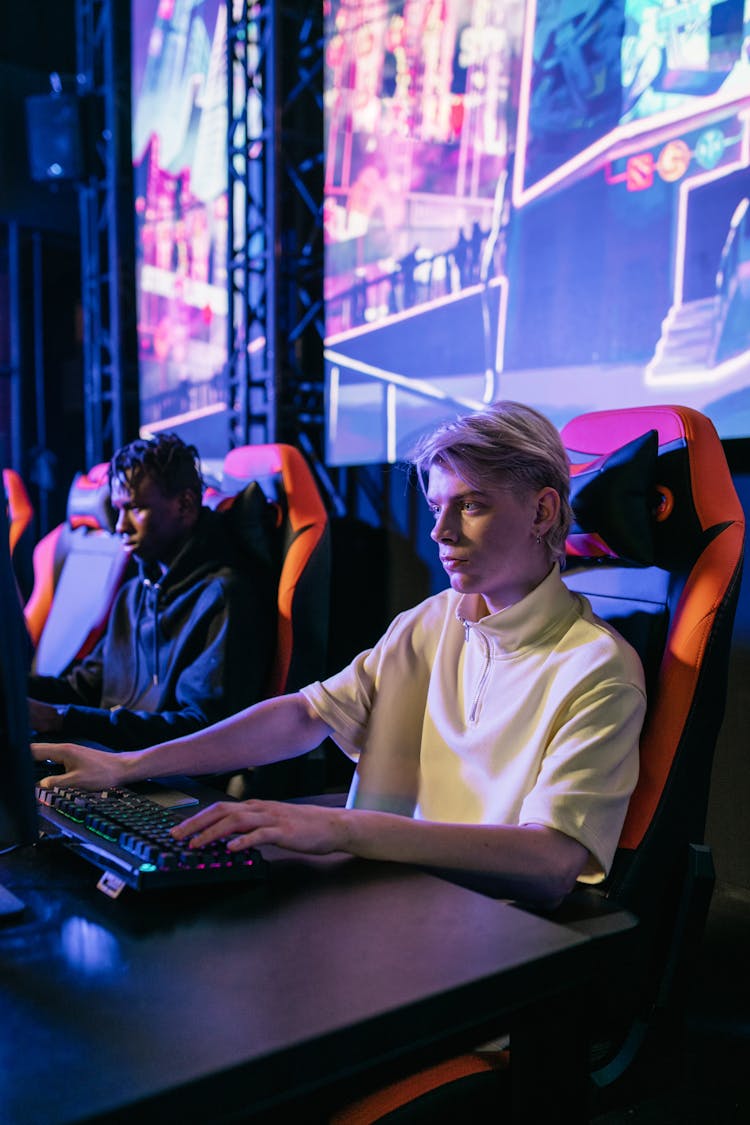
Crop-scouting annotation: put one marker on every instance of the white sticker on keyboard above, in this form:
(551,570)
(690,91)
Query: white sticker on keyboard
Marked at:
(111,884)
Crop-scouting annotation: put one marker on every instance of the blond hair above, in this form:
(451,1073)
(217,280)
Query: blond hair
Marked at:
(506,443)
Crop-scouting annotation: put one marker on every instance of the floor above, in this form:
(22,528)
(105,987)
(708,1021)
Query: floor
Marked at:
(706,1079)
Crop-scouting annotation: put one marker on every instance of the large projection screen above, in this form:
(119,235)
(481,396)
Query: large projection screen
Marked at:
(543,200)
(179,100)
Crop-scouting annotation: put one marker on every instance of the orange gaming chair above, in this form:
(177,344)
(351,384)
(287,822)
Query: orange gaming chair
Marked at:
(20,510)
(657,547)
(20,517)
(665,569)
(78,568)
(302,557)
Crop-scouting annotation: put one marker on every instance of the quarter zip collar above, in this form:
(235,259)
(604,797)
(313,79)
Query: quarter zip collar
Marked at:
(523,624)
(538,619)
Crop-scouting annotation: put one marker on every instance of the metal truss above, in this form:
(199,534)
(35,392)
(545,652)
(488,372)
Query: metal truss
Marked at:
(275,235)
(107,250)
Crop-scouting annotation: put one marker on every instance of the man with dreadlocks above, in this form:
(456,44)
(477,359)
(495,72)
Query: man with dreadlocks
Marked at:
(190,638)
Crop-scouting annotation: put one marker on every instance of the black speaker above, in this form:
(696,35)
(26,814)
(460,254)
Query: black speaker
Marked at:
(54,131)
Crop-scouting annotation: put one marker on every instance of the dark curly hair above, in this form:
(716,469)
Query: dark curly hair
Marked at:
(165,459)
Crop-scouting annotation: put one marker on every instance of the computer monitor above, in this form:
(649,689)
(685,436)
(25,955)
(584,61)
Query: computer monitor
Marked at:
(18,821)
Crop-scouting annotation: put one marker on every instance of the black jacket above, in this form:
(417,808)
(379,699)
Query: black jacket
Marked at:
(179,652)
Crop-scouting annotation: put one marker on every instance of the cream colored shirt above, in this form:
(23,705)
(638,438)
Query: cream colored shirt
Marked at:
(530,715)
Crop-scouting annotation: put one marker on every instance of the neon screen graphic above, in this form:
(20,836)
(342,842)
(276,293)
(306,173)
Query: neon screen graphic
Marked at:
(179,113)
(544,200)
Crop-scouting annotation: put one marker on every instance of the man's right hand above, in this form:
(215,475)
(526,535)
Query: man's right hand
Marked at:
(84,767)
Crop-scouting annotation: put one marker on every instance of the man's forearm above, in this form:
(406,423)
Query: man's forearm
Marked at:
(531,860)
(270,731)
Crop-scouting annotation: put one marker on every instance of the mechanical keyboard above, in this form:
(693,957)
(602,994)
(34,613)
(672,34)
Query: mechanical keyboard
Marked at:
(125,832)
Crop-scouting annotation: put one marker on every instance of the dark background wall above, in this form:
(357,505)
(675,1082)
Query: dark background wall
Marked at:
(39,264)
(36,39)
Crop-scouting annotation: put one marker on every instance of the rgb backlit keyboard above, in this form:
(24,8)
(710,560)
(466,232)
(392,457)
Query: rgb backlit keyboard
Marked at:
(126,833)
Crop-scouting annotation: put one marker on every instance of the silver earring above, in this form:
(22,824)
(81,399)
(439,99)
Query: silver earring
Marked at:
(538,538)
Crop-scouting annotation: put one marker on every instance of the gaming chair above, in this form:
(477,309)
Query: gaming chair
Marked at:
(657,547)
(304,544)
(20,517)
(78,568)
(670,584)
(300,543)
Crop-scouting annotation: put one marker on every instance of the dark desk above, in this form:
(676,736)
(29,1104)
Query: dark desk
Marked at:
(200,1007)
